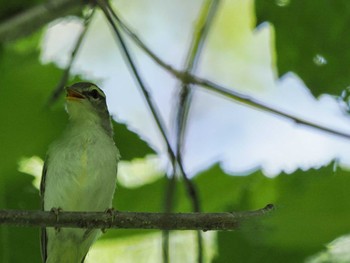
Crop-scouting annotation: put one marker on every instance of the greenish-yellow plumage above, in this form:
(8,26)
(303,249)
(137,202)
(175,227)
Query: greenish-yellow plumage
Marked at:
(80,172)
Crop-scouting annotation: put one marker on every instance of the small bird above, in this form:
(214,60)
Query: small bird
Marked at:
(80,172)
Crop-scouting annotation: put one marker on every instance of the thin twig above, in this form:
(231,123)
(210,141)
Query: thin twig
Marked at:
(64,79)
(227,92)
(34,18)
(191,190)
(141,44)
(257,104)
(171,152)
(131,220)
(157,117)
(152,106)
(168,206)
(204,22)
(104,5)
(155,112)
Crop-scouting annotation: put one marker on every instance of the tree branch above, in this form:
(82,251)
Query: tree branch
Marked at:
(227,92)
(204,21)
(132,220)
(32,19)
(104,6)
(65,77)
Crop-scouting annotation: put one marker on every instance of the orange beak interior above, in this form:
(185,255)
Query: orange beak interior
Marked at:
(72,94)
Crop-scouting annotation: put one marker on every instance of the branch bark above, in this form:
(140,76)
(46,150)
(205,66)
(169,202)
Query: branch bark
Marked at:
(131,220)
(32,19)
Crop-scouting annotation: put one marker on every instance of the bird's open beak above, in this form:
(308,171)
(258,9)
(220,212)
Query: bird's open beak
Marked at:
(73,94)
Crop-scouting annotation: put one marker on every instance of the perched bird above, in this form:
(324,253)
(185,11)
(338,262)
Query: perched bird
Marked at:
(79,173)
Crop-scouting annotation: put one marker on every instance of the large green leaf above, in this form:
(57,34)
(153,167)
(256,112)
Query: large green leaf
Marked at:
(129,144)
(311,40)
(312,209)
(26,129)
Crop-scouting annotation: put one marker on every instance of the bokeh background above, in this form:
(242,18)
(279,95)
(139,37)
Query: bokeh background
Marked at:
(293,55)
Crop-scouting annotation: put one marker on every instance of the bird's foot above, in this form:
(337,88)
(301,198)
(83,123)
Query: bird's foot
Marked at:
(109,211)
(56,211)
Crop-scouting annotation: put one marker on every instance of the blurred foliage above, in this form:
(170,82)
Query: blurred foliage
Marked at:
(312,209)
(311,40)
(312,206)
(26,129)
(129,144)
(13,7)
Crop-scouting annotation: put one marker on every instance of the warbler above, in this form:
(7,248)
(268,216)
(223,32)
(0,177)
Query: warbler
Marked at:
(79,173)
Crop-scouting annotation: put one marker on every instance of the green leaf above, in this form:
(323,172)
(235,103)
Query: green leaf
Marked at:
(312,209)
(311,40)
(26,129)
(129,144)
(19,194)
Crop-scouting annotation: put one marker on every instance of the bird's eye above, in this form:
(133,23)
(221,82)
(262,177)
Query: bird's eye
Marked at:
(95,94)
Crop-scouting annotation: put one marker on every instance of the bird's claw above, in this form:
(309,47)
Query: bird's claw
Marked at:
(109,211)
(56,211)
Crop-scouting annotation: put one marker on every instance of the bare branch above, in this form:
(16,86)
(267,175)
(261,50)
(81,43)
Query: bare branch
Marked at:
(32,19)
(227,92)
(204,21)
(247,100)
(201,30)
(131,220)
(106,9)
(64,79)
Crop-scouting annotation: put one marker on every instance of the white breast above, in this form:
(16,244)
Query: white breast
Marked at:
(81,171)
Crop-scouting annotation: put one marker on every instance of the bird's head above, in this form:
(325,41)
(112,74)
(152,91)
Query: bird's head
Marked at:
(87,102)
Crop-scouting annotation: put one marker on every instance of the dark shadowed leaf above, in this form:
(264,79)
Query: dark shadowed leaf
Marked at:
(312,209)
(26,129)
(311,40)
(129,144)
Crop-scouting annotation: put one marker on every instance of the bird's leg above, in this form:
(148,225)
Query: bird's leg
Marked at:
(109,211)
(56,211)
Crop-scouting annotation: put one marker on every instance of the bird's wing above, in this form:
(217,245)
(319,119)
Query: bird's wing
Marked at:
(43,242)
